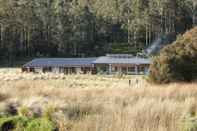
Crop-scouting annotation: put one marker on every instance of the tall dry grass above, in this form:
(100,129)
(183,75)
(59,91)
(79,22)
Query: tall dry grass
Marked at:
(103,103)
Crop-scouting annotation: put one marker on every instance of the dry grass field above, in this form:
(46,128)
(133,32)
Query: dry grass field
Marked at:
(99,103)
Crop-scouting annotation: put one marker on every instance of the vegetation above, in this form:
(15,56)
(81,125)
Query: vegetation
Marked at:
(88,102)
(78,28)
(86,28)
(190,124)
(177,62)
(25,120)
(20,123)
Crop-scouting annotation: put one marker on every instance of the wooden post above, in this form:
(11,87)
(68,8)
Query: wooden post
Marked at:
(119,70)
(127,70)
(28,69)
(110,69)
(136,69)
(145,70)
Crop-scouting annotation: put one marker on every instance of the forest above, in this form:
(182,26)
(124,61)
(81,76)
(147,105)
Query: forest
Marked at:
(85,28)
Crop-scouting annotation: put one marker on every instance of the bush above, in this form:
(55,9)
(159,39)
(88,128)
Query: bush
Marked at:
(24,111)
(176,62)
(40,125)
(13,123)
(48,112)
(190,124)
(21,123)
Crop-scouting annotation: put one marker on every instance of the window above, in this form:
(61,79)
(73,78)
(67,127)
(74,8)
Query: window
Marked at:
(47,69)
(124,69)
(141,69)
(131,69)
(38,70)
(115,69)
(55,69)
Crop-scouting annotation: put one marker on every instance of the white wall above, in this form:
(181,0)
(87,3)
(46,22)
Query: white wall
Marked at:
(55,70)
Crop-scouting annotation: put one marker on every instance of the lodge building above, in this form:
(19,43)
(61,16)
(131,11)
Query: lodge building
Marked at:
(109,64)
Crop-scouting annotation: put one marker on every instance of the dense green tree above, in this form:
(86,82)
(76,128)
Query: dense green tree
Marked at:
(176,62)
(73,28)
(192,7)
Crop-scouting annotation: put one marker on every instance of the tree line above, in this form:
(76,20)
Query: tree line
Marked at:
(81,28)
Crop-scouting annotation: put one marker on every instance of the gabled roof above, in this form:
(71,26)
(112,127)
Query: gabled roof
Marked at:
(121,60)
(60,62)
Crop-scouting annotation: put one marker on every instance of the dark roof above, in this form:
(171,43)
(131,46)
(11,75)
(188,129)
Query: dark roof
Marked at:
(59,62)
(121,60)
(78,62)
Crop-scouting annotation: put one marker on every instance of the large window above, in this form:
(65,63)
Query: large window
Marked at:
(55,70)
(38,70)
(124,70)
(102,69)
(47,69)
(142,69)
(131,69)
(115,69)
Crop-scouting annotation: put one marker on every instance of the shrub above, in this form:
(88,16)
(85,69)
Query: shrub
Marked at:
(11,108)
(41,124)
(24,111)
(176,62)
(190,121)
(16,123)
(48,112)
(21,123)
(190,124)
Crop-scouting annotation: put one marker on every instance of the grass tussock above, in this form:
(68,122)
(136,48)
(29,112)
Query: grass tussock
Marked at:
(102,103)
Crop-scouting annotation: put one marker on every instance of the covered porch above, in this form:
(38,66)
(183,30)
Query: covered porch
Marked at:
(127,69)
